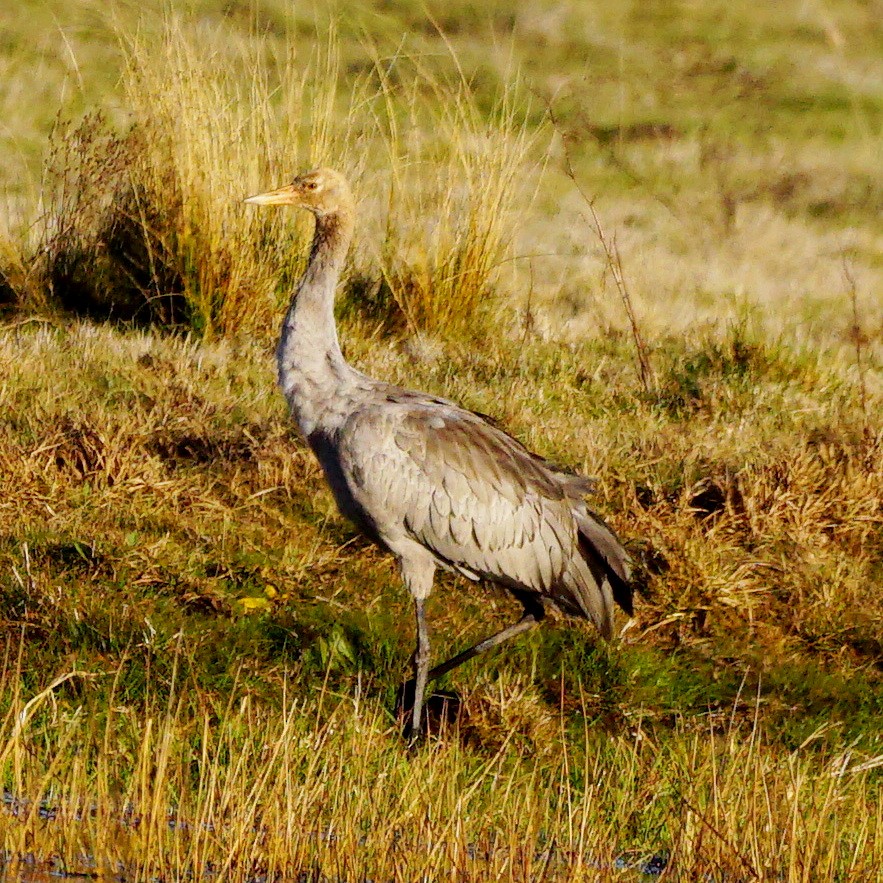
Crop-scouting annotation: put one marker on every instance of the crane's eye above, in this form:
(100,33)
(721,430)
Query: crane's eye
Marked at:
(311,185)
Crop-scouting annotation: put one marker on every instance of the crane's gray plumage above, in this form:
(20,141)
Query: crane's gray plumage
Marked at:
(435,484)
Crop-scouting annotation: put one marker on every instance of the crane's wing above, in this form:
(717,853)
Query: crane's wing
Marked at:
(481,503)
(575,486)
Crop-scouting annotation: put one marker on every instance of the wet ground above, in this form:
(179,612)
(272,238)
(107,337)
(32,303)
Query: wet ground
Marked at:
(629,867)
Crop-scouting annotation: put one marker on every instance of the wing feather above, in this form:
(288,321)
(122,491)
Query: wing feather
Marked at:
(428,471)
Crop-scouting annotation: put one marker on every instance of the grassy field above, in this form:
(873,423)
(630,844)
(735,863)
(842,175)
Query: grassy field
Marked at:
(644,236)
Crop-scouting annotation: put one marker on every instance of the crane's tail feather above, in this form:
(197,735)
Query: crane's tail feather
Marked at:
(600,546)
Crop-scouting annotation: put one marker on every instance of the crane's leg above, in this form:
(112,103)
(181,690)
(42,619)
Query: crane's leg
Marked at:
(533,615)
(421,665)
(418,569)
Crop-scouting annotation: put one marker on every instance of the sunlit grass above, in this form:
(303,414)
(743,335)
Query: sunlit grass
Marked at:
(325,786)
(230,655)
(146,223)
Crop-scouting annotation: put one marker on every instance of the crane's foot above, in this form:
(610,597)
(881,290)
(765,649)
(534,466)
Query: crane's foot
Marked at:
(441,709)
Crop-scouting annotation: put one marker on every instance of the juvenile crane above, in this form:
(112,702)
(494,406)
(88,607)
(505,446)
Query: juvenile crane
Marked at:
(433,483)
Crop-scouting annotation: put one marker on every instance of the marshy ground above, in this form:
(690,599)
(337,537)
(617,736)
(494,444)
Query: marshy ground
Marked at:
(200,658)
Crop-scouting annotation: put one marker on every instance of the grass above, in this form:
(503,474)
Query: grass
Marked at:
(167,536)
(202,659)
(326,787)
(147,225)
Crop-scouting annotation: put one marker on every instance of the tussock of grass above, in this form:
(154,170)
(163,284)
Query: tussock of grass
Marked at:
(147,224)
(456,190)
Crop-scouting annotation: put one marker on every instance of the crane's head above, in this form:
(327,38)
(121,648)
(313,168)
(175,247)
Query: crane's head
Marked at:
(321,191)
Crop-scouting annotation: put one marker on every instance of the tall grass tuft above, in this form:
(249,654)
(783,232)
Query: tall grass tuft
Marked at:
(147,224)
(457,188)
(21,282)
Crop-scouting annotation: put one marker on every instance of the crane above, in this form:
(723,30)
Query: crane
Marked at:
(435,484)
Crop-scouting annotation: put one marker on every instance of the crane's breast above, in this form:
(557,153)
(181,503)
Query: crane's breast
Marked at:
(347,492)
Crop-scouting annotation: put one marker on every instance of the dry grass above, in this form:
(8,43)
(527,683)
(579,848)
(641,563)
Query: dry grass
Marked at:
(166,535)
(457,190)
(325,788)
(148,225)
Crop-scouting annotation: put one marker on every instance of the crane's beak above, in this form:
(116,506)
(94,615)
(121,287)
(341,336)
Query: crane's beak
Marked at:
(287,195)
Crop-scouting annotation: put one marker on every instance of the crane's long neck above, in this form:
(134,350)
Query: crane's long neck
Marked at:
(311,365)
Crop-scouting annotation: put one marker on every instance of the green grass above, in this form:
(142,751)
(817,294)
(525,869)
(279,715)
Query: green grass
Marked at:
(195,628)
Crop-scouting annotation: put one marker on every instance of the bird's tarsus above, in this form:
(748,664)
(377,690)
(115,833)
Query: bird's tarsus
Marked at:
(412,695)
(531,618)
(421,667)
